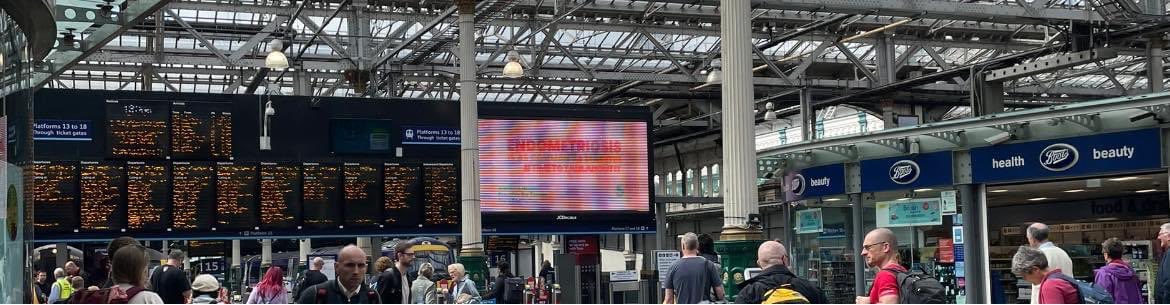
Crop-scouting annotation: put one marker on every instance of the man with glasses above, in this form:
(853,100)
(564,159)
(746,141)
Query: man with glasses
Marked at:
(1162,287)
(880,250)
(394,283)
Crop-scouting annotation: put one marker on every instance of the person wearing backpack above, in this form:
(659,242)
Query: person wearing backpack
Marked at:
(500,287)
(689,279)
(776,284)
(349,285)
(128,272)
(270,290)
(1117,277)
(1032,265)
(880,249)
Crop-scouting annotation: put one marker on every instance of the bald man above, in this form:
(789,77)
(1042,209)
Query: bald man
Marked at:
(349,286)
(880,250)
(774,260)
(1037,234)
(313,276)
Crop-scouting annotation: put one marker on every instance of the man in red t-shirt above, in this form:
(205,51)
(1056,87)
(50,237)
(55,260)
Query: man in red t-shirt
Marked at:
(880,250)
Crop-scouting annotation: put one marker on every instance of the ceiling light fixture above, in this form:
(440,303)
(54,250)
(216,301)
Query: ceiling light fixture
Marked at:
(770,115)
(1146,191)
(998,191)
(276,59)
(714,77)
(1074,191)
(923,190)
(832,199)
(1124,179)
(1038,199)
(999,138)
(513,69)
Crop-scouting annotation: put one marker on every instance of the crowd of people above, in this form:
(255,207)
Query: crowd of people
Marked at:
(695,278)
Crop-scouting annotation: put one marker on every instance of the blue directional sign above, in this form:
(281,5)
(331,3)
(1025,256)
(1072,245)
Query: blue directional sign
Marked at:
(1117,152)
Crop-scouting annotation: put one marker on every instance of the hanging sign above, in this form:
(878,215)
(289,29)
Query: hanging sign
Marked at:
(815,182)
(909,213)
(810,221)
(950,204)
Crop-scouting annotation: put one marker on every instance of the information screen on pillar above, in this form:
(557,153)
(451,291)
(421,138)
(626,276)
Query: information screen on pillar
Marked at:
(559,166)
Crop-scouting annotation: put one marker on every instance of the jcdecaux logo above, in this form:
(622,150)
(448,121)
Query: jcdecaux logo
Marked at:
(905,172)
(1059,157)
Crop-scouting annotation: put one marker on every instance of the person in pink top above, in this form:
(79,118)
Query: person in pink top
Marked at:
(1031,265)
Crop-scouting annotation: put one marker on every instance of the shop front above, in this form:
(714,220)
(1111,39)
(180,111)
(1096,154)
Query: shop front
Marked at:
(1086,189)
(959,195)
(905,194)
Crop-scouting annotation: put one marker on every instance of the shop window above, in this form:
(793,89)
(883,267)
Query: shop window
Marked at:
(822,249)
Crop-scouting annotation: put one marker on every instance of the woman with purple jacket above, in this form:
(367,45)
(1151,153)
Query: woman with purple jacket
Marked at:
(1117,276)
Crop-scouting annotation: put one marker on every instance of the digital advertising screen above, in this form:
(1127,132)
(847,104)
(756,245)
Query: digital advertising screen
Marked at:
(563,175)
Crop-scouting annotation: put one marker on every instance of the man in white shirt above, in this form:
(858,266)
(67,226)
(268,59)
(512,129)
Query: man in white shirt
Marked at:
(1057,258)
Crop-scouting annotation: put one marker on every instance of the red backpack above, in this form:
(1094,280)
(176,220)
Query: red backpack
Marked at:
(105,296)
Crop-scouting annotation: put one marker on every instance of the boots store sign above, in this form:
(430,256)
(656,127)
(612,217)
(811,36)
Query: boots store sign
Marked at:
(1109,153)
(907,172)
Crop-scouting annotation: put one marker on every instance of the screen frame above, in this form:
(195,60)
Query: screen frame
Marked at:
(574,222)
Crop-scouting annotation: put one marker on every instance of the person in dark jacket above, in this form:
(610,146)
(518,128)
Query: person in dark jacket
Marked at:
(313,276)
(773,258)
(707,248)
(1162,284)
(1117,276)
(394,283)
(498,287)
(349,287)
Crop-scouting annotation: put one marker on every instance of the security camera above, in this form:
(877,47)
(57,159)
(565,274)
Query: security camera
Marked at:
(1142,116)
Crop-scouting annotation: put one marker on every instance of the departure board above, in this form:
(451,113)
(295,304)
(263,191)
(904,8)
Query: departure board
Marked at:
(147,194)
(101,196)
(362,201)
(55,196)
(201,131)
(192,200)
(137,130)
(235,196)
(402,190)
(441,186)
(320,195)
(280,195)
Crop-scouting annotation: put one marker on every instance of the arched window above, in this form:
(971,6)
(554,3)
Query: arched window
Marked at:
(704,184)
(716,185)
(691,183)
(669,189)
(657,185)
(678,183)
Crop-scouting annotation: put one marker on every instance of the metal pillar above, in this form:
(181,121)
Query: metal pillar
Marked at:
(886,63)
(1156,68)
(235,253)
(973,200)
(858,230)
(301,82)
(471,253)
(737,241)
(306,245)
(628,252)
(62,254)
(986,96)
(808,117)
(265,252)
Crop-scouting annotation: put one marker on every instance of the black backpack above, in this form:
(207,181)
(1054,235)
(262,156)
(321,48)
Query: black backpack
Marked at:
(513,291)
(918,288)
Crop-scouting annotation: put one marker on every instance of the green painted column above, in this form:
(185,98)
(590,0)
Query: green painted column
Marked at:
(477,268)
(735,256)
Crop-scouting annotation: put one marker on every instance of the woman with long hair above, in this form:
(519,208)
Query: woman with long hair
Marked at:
(270,290)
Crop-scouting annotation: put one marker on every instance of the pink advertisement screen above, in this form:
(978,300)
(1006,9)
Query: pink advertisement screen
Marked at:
(574,166)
